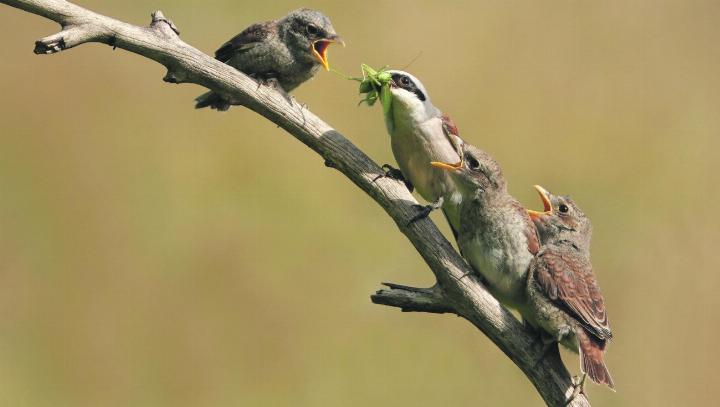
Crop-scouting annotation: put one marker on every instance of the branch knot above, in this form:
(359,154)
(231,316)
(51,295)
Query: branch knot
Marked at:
(158,17)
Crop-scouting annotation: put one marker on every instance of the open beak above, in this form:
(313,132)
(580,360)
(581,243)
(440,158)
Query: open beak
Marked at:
(459,145)
(547,206)
(447,166)
(319,49)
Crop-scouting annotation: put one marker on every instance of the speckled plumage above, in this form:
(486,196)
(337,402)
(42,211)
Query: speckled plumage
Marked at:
(279,50)
(496,235)
(564,296)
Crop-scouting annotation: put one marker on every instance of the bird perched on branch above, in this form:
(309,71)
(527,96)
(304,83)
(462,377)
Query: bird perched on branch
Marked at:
(283,53)
(420,133)
(496,235)
(564,298)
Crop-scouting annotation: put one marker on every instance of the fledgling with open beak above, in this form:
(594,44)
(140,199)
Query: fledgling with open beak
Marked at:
(283,53)
(420,133)
(564,298)
(496,235)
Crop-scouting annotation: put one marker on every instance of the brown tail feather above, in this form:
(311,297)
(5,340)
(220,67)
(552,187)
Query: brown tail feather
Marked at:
(592,362)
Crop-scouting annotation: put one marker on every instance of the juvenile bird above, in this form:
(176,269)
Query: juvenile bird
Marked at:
(564,298)
(284,53)
(420,133)
(496,235)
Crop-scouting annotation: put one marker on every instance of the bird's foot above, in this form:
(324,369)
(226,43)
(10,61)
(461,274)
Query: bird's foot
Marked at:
(578,384)
(546,344)
(563,332)
(270,80)
(425,210)
(303,107)
(273,82)
(465,275)
(394,173)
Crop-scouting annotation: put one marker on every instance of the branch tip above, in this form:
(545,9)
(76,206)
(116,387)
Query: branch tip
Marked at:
(159,17)
(174,77)
(394,286)
(412,299)
(50,45)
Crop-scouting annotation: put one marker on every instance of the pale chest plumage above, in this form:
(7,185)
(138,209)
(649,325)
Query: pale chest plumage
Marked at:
(493,239)
(415,144)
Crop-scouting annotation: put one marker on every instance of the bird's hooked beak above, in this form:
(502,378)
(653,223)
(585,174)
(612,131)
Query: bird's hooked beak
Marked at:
(319,49)
(547,205)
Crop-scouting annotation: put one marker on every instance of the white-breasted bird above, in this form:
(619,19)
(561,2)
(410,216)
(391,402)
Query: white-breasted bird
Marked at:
(421,133)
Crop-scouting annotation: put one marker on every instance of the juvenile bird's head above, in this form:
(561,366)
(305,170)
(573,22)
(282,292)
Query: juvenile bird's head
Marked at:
(477,174)
(561,219)
(309,33)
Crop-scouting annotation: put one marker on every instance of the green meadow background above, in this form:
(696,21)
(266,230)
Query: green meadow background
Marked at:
(155,255)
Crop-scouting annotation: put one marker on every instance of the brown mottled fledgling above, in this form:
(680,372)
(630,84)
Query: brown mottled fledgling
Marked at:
(284,53)
(564,298)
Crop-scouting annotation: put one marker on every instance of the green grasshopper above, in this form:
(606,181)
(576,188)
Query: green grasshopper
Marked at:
(375,84)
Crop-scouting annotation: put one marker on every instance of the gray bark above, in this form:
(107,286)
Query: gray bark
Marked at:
(455,292)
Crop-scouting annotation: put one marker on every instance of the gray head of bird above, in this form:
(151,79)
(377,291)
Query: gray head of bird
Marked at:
(310,33)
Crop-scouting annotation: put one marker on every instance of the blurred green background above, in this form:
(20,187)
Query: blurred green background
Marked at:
(155,255)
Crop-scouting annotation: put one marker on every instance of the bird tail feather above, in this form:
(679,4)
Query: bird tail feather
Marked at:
(592,352)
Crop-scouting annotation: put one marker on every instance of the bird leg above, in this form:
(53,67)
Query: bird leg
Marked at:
(303,106)
(396,174)
(546,342)
(425,210)
(270,79)
(275,84)
(578,384)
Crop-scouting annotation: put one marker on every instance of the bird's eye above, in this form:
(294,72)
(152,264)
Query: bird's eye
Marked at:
(564,208)
(312,30)
(405,81)
(472,162)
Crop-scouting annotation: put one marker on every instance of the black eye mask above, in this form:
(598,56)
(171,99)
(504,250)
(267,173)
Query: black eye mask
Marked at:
(404,82)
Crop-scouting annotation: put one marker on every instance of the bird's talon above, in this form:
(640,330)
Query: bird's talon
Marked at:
(578,384)
(395,174)
(465,275)
(426,210)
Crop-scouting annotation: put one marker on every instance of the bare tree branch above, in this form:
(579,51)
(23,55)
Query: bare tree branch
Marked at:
(456,292)
(411,299)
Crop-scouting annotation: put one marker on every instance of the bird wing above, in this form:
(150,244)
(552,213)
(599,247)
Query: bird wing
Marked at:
(453,135)
(530,230)
(451,132)
(449,126)
(249,38)
(566,277)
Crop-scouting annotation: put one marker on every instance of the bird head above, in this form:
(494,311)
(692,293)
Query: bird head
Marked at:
(410,94)
(409,101)
(477,173)
(310,33)
(560,218)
